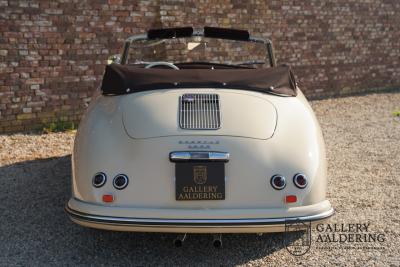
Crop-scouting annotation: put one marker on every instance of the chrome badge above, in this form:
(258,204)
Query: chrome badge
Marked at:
(187,98)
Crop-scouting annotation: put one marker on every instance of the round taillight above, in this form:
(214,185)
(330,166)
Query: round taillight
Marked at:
(120,181)
(278,182)
(99,179)
(300,180)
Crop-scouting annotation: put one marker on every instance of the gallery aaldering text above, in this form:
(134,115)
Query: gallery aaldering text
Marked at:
(350,233)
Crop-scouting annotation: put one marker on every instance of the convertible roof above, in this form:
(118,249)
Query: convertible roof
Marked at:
(126,79)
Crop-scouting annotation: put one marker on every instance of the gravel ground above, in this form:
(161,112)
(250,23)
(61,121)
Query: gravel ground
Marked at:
(363,150)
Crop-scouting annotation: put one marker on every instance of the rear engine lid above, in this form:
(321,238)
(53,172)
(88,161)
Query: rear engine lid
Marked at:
(198,112)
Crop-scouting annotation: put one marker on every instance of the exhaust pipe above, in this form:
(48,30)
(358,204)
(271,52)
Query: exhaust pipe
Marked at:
(217,241)
(178,241)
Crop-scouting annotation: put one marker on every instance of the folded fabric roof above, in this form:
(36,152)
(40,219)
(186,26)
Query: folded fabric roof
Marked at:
(125,79)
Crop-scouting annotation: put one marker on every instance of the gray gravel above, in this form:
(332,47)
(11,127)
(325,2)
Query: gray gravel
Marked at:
(363,150)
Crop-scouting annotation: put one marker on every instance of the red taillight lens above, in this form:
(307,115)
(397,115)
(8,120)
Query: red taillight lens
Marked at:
(108,198)
(291,199)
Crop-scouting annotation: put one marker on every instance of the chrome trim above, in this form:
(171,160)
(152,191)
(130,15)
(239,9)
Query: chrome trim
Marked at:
(277,187)
(161,63)
(295,182)
(137,37)
(268,46)
(198,32)
(200,223)
(198,156)
(103,182)
(127,45)
(125,184)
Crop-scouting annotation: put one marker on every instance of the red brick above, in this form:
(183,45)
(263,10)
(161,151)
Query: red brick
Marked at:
(35,81)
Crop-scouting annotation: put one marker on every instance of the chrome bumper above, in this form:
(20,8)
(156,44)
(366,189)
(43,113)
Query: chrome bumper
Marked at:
(190,225)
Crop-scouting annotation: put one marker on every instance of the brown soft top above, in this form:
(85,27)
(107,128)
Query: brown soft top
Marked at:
(126,79)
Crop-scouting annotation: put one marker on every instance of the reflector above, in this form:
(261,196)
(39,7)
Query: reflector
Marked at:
(291,199)
(108,198)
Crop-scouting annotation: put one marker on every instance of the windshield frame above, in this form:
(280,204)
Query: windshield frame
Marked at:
(209,32)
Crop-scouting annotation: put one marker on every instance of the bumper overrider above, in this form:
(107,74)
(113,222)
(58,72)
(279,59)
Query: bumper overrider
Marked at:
(186,224)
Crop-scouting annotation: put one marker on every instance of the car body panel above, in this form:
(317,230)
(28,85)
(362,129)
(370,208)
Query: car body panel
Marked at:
(296,147)
(155,114)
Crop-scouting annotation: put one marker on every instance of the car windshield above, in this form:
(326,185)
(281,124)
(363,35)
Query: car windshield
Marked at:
(199,49)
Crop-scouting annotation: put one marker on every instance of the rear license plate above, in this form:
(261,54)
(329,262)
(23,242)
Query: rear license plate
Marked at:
(200,181)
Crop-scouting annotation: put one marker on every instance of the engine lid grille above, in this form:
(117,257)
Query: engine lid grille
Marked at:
(199,112)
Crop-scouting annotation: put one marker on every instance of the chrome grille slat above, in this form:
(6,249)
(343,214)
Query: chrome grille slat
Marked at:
(202,107)
(190,114)
(199,112)
(213,111)
(208,111)
(196,114)
(218,117)
(181,113)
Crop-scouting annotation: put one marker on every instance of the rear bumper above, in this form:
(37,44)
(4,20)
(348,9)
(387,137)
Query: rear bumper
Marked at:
(195,225)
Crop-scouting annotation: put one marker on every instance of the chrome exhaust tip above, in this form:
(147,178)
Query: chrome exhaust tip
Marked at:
(217,241)
(178,241)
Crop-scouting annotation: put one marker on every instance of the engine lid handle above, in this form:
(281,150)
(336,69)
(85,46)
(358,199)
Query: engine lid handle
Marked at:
(179,156)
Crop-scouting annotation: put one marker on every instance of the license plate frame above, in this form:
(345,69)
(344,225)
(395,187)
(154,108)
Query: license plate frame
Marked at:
(201,180)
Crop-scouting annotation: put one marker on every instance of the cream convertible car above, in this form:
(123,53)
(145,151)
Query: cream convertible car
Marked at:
(198,147)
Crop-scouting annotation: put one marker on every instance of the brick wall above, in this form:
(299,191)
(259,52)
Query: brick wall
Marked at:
(52,53)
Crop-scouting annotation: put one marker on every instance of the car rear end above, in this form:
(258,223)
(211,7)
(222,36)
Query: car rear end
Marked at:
(198,160)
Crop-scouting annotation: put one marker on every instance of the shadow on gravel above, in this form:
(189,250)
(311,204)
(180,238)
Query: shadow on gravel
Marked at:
(34,229)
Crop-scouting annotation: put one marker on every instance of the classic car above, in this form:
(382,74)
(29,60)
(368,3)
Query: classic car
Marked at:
(198,147)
